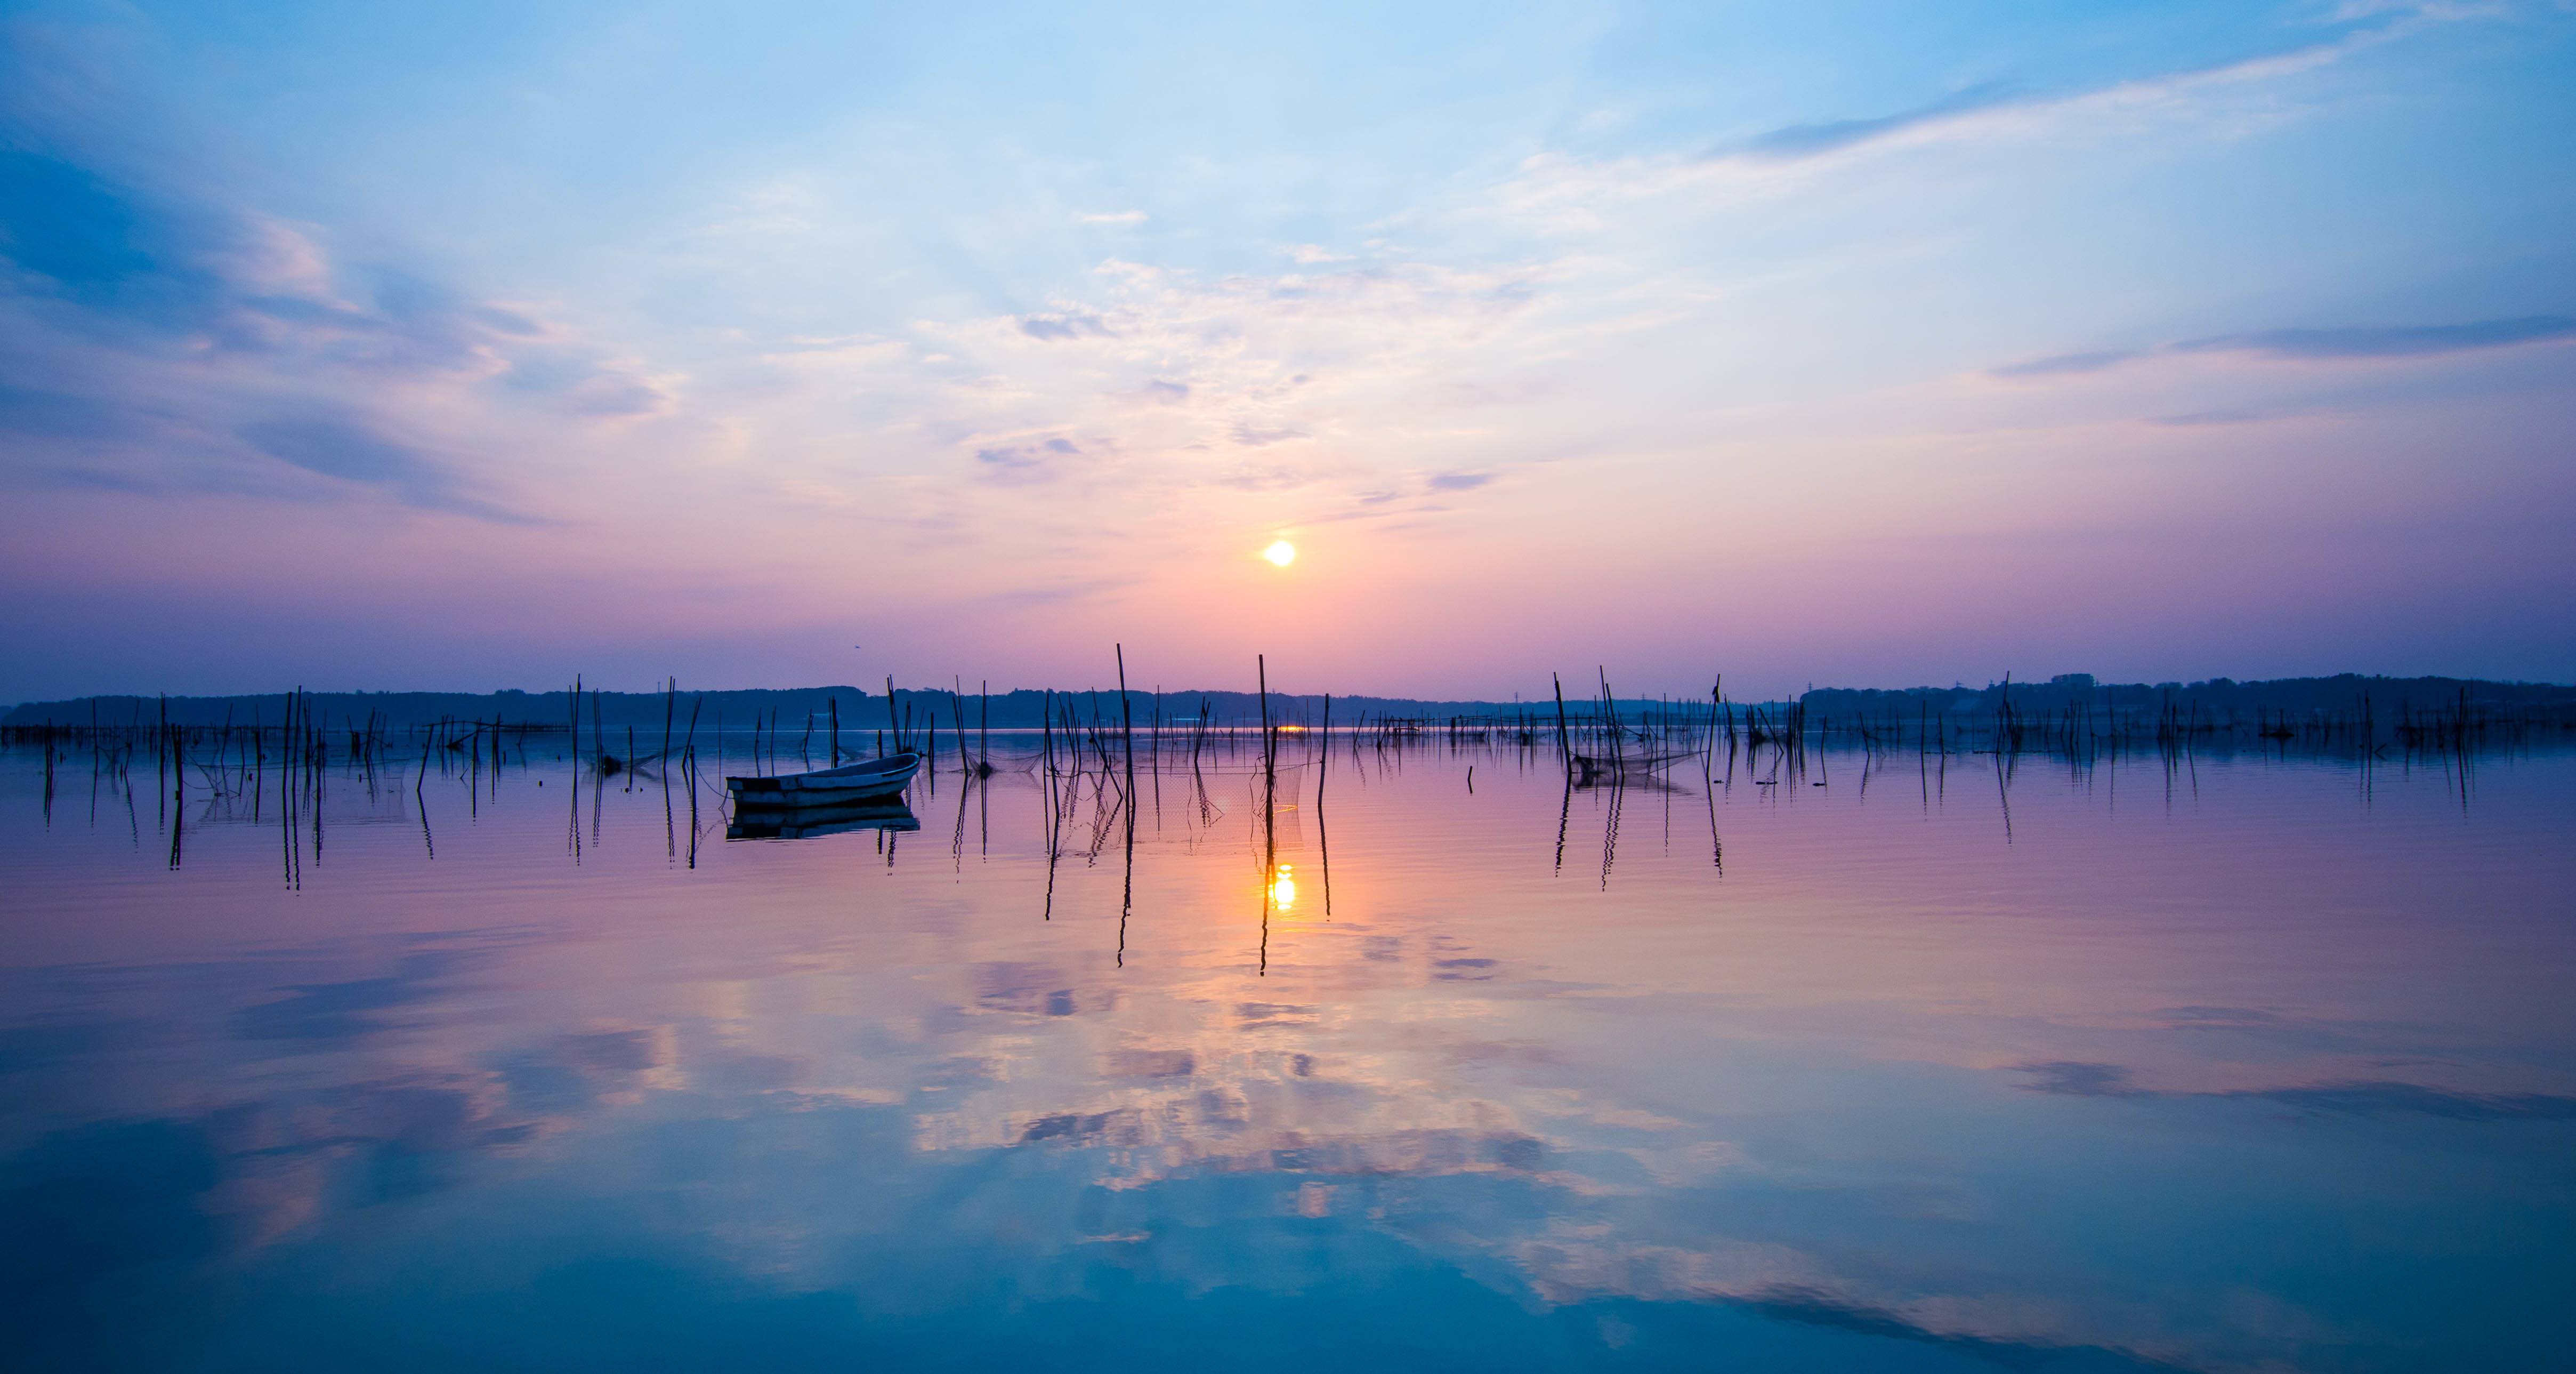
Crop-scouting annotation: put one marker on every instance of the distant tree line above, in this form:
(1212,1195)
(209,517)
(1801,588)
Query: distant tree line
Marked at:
(2218,698)
(861,710)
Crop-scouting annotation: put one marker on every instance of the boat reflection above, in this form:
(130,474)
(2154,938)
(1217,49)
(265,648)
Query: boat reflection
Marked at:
(809,822)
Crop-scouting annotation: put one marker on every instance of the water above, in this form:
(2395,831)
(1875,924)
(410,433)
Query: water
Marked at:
(2256,1063)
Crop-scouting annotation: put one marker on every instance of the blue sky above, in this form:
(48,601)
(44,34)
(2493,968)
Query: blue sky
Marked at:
(467,346)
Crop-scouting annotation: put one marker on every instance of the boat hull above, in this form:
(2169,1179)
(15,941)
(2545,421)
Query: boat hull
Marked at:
(878,780)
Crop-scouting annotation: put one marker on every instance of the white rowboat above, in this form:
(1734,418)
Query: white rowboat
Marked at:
(873,779)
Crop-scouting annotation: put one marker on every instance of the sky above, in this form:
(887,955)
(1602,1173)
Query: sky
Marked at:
(475,345)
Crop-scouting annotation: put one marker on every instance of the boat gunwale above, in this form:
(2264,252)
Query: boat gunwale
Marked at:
(883,776)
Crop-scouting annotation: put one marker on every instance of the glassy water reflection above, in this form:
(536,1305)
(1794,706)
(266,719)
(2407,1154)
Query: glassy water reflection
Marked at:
(2267,1064)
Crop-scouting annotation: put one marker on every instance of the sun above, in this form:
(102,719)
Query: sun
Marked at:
(1282,553)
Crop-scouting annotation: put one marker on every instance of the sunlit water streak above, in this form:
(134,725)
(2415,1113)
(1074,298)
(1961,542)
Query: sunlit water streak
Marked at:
(2263,1064)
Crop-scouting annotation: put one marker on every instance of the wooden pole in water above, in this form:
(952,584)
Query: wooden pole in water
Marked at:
(1262,667)
(835,703)
(1564,745)
(1716,703)
(1126,723)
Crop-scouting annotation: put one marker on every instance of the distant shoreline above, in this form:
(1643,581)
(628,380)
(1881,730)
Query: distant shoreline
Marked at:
(1024,708)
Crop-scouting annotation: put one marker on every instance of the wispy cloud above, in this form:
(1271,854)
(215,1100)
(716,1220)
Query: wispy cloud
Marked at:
(581,383)
(1340,380)
(1253,436)
(1021,464)
(45,414)
(226,334)
(1809,140)
(72,228)
(1067,326)
(1558,188)
(2403,341)
(340,447)
(1117,217)
(2068,364)
(2211,419)
(2357,343)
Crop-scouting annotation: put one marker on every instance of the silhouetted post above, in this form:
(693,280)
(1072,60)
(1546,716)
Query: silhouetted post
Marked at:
(1716,703)
(835,703)
(1127,731)
(1564,745)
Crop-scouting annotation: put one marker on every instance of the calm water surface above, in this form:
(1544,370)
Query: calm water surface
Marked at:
(2259,1064)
